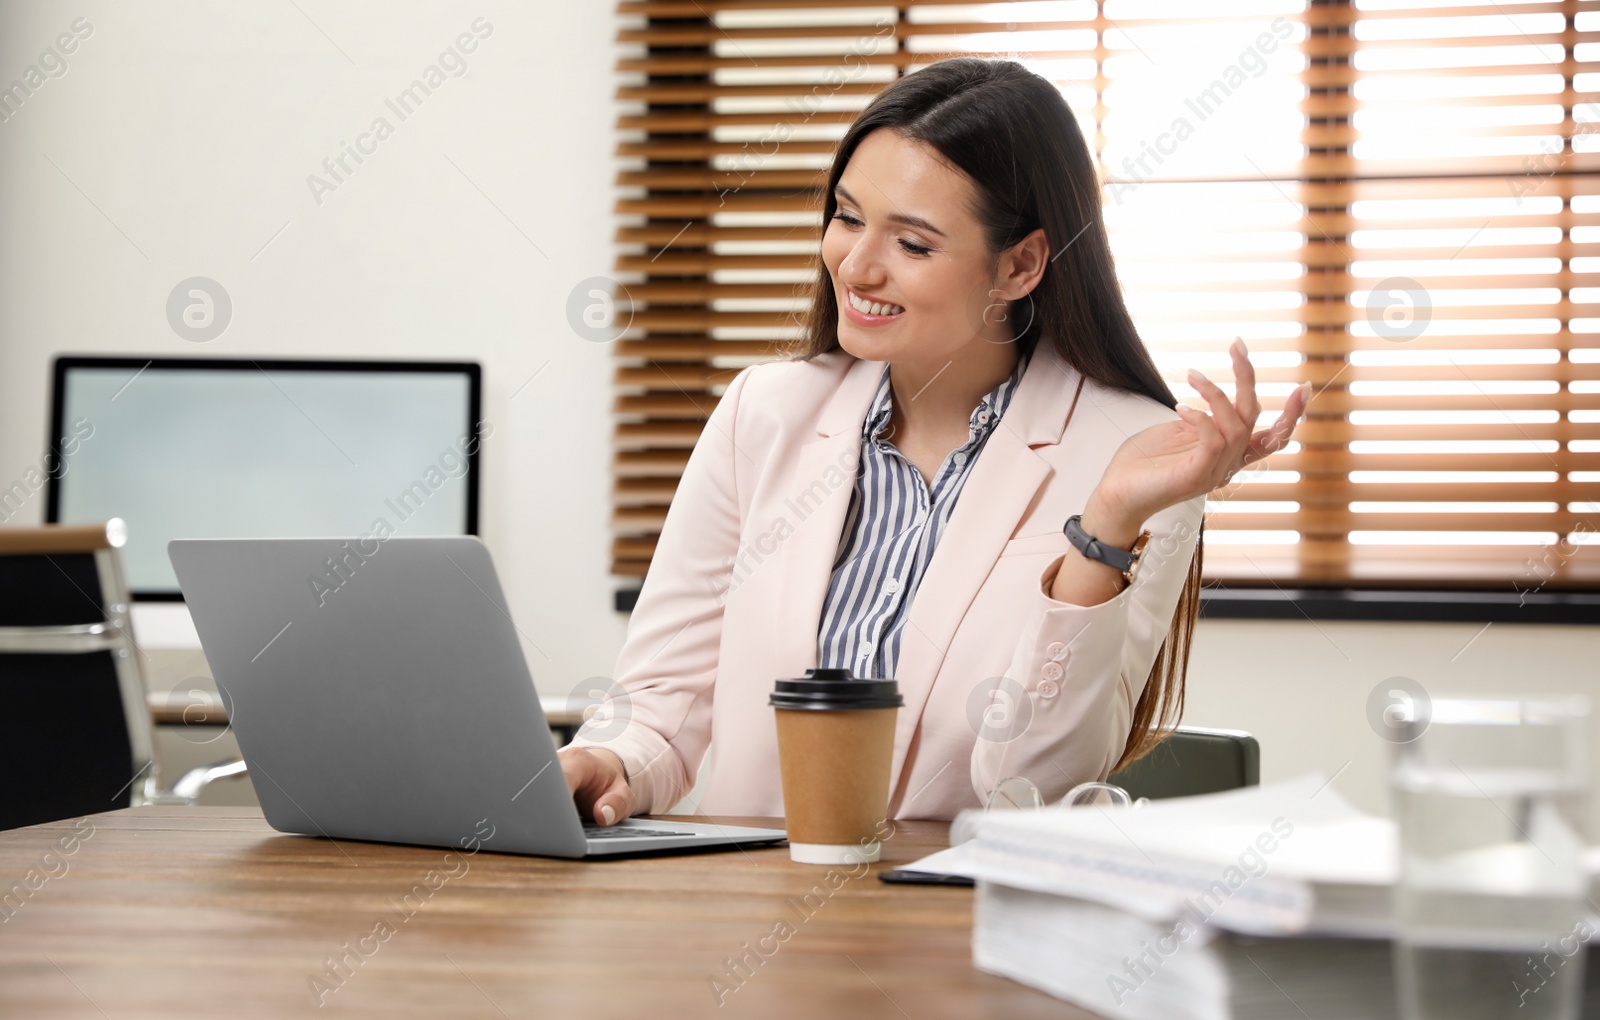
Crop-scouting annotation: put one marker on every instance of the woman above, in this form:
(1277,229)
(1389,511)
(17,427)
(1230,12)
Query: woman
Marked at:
(893,499)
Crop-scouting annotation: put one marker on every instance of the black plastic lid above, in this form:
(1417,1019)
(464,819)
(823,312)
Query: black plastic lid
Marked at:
(835,689)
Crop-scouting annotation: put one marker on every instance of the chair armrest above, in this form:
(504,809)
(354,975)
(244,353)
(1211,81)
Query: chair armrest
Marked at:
(189,786)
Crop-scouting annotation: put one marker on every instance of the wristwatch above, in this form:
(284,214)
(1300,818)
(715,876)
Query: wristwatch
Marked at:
(1125,560)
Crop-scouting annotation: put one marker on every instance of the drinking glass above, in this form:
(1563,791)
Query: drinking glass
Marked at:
(1490,905)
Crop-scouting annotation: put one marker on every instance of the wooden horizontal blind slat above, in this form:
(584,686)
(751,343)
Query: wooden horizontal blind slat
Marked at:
(1467,178)
(1401,206)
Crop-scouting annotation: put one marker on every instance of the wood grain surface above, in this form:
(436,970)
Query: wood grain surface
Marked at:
(202,912)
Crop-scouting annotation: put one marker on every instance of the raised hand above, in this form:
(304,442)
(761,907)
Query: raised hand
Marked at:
(1179,460)
(1172,462)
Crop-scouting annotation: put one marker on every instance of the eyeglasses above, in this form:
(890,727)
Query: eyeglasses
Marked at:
(1017,792)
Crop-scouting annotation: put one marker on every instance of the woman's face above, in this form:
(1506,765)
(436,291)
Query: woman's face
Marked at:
(904,236)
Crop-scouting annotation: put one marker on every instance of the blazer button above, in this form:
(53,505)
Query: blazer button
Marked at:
(1048,689)
(1056,651)
(1052,671)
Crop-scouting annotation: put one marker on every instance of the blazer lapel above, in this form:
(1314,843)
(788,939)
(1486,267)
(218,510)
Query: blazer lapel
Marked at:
(997,493)
(824,478)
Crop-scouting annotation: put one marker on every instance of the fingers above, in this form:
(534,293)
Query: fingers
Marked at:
(615,799)
(598,784)
(1275,437)
(615,804)
(570,767)
(1244,375)
(1300,399)
(1222,409)
(1213,444)
(1199,419)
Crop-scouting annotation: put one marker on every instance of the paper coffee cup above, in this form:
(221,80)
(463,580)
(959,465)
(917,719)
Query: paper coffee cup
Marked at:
(835,748)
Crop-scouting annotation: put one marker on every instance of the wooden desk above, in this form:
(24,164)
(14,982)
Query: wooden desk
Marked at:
(168,912)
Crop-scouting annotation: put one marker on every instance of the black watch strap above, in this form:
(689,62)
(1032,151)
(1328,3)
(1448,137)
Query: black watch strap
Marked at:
(1093,549)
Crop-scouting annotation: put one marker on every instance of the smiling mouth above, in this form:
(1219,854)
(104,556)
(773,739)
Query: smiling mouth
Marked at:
(870,307)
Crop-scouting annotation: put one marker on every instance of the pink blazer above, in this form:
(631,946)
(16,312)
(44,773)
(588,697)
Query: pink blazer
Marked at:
(999,679)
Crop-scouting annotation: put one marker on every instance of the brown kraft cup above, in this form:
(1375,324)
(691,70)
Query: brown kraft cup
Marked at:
(835,748)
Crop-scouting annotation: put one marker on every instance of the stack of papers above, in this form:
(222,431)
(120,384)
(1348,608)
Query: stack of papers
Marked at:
(1293,857)
(1122,966)
(1269,901)
(1127,968)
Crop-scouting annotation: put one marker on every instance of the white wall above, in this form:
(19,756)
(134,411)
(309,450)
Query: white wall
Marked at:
(1302,687)
(184,133)
(178,142)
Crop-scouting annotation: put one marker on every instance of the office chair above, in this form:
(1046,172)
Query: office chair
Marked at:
(1192,761)
(72,682)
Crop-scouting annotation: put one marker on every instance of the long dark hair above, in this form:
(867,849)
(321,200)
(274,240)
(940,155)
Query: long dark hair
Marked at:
(1011,132)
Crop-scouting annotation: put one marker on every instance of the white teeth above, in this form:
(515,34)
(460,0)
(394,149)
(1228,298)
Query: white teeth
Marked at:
(872,307)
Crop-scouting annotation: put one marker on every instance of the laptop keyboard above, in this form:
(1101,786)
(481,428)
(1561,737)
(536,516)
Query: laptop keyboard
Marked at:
(628,832)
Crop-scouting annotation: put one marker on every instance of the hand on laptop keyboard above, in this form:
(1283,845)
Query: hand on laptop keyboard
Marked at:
(599,784)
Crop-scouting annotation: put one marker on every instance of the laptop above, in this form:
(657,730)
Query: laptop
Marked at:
(379,691)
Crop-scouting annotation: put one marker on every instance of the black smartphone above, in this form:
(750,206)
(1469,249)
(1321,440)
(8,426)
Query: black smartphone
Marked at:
(905,876)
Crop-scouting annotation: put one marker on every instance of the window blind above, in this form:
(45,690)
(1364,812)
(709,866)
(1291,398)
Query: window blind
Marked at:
(1398,201)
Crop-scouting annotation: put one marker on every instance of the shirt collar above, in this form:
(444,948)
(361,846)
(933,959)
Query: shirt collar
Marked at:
(983,419)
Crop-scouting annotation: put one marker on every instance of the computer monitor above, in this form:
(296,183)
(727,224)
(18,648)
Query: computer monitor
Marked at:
(262,448)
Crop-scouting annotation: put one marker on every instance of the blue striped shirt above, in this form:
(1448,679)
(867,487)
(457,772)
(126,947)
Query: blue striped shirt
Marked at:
(890,532)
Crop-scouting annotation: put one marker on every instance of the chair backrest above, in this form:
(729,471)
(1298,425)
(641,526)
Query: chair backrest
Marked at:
(1192,761)
(71,683)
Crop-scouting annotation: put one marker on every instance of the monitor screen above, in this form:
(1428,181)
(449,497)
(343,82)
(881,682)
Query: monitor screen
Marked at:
(258,448)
